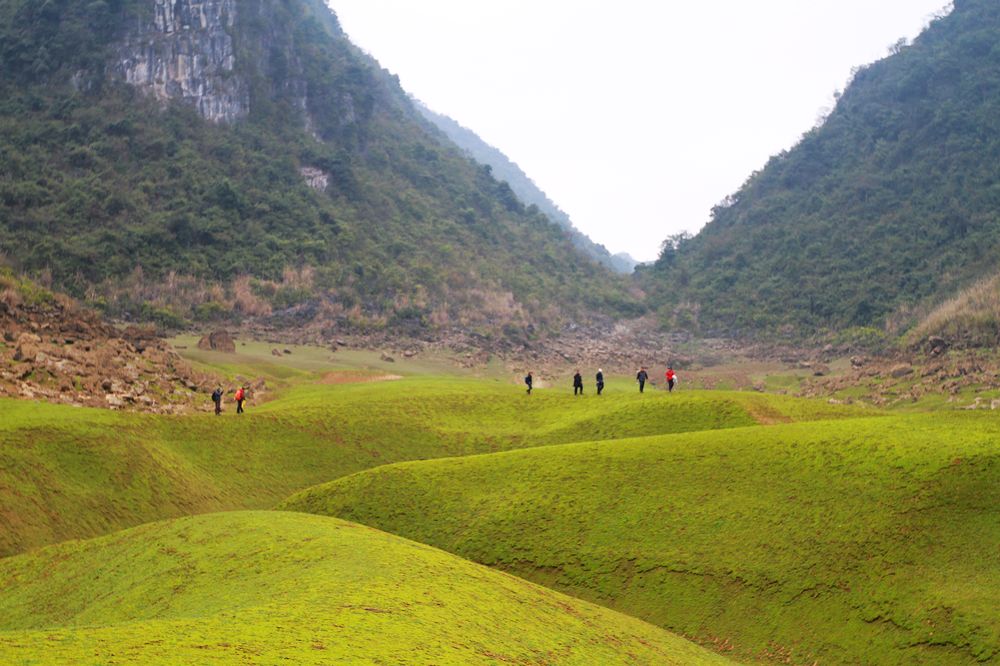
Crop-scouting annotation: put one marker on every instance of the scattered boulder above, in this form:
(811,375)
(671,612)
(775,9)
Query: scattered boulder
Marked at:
(220,341)
(275,352)
(388,359)
(901,370)
(936,345)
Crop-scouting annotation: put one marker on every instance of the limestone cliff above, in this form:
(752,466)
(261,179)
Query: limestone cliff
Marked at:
(184,50)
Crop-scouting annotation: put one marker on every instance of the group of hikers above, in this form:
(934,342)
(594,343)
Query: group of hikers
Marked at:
(641,378)
(240,397)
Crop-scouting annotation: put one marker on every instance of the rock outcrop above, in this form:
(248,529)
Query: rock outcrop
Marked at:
(185,51)
(218,341)
(54,350)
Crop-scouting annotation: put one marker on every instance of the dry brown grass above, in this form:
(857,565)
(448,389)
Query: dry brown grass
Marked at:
(971,317)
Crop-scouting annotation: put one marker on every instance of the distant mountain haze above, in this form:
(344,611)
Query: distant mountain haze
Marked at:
(526,190)
(888,206)
(199,161)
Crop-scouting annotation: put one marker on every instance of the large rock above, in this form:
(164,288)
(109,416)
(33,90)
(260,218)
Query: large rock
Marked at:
(901,370)
(218,341)
(28,347)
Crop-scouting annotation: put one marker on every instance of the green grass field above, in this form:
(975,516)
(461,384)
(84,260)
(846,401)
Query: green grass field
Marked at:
(271,587)
(74,473)
(870,541)
(767,528)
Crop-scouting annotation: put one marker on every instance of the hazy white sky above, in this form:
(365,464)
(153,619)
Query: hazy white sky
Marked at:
(634,116)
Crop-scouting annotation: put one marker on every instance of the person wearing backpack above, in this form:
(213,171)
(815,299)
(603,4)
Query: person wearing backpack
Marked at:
(577,383)
(528,382)
(217,399)
(641,377)
(600,381)
(240,396)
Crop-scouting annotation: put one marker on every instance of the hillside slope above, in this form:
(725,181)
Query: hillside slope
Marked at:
(525,188)
(890,203)
(231,158)
(860,541)
(77,473)
(272,587)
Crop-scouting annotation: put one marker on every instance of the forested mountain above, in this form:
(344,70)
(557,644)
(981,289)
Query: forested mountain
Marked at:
(526,190)
(198,159)
(892,203)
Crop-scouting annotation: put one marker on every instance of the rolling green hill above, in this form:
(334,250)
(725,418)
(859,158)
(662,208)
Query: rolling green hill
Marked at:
(889,204)
(76,473)
(858,541)
(228,158)
(276,587)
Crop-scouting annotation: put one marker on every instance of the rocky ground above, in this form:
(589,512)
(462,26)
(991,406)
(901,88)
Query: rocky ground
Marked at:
(908,378)
(55,350)
(51,349)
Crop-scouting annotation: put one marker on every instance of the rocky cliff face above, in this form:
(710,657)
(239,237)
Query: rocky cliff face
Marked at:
(184,51)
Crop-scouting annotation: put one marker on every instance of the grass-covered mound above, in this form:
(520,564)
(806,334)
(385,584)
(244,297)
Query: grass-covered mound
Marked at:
(272,587)
(77,473)
(859,541)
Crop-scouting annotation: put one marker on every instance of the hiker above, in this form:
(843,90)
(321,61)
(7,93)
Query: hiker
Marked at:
(671,379)
(241,395)
(577,383)
(217,399)
(600,381)
(528,381)
(641,377)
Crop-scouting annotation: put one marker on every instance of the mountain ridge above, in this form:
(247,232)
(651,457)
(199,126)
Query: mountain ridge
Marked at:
(524,187)
(227,159)
(886,207)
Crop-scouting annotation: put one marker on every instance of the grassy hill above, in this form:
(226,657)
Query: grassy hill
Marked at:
(76,473)
(275,587)
(856,541)
(888,204)
(323,190)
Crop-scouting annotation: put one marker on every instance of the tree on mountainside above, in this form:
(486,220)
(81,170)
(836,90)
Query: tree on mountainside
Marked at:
(890,203)
(114,192)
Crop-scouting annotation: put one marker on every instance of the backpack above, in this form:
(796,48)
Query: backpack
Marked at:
(239,394)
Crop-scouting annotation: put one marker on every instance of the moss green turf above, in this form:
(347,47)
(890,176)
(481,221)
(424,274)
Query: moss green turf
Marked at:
(862,541)
(272,587)
(74,473)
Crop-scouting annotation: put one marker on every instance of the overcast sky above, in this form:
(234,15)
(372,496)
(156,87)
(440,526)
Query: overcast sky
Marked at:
(634,116)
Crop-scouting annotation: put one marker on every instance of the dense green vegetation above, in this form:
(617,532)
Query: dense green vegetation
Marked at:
(76,473)
(890,203)
(857,541)
(133,205)
(275,587)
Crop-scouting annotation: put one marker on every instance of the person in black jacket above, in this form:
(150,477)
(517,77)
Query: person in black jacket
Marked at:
(528,381)
(641,377)
(577,383)
(600,381)
(217,399)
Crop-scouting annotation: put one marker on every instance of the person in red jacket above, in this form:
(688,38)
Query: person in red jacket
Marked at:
(671,378)
(240,396)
